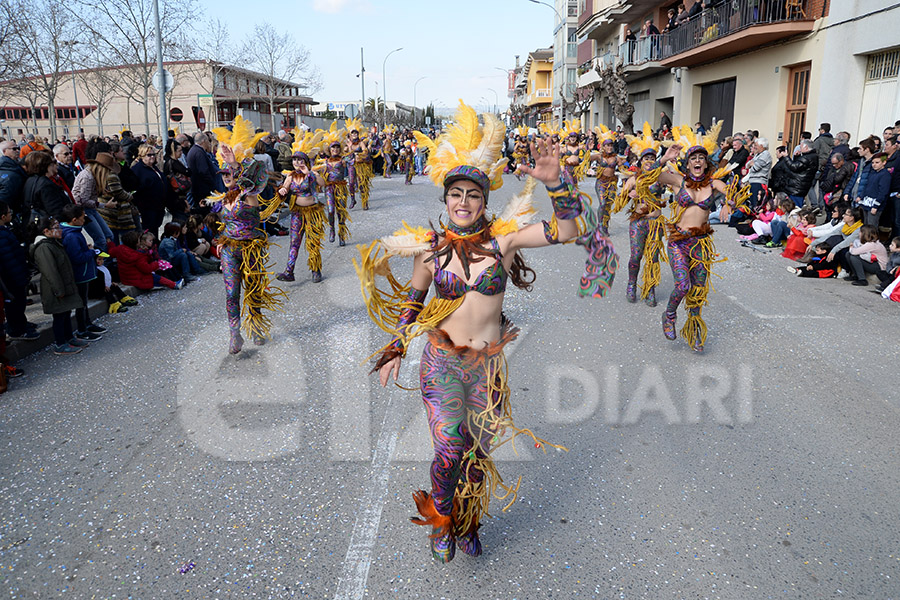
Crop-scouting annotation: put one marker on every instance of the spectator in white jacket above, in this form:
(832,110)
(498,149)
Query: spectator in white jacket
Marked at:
(866,255)
(758,168)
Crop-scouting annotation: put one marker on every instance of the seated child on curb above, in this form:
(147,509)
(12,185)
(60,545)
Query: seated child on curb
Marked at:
(104,287)
(819,266)
(136,266)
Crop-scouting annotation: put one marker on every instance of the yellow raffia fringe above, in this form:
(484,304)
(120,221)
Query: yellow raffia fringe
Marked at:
(622,200)
(258,294)
(386,305)
(694,327)
(653,254)
(364,175)
(314,229)
(489,429)
(340,206)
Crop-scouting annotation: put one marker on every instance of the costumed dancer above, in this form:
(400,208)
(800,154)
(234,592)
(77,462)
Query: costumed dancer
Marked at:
(469,260)
(690,246)
(573,156)
(361,171)
(387,151)
(642,194)
(605,185)
(334,171)
(242,243)
(409,165)
(307,214)
(520,153)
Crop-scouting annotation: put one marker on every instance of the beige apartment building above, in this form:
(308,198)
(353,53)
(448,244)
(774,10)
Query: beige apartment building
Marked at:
(778,66)
(533,87)
(205,94)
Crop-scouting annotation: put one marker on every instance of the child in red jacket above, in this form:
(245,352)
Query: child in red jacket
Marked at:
(136,267)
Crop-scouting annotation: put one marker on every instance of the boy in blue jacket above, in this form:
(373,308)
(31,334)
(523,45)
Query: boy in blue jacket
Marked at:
(84,266)
(878,186)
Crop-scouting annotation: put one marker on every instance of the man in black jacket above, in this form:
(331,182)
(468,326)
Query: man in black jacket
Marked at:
(803,168)
(203,177)
(15,276)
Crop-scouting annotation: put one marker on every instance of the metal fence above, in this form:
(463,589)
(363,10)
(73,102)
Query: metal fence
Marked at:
(719,19)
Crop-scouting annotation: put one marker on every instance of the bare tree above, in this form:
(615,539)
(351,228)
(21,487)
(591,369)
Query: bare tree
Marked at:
(12,55)
(612,78)
(212,45)
(42,33)
(281,61)
(124,32)
(582,100)
(100,82)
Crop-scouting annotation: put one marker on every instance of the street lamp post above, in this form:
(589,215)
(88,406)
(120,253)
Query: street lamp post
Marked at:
(384,83)
(415,118)
(496,99)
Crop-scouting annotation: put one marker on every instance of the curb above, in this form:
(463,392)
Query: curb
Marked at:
(18,349)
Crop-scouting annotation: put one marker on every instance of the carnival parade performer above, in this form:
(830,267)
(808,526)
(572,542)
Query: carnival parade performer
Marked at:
(605,184)
(643,195)
(572,154)
(469,260)
(520,151)
(409,165)
(690,246)
(307,214)
(387,151)
(243,245)
(334,170)
(359,164)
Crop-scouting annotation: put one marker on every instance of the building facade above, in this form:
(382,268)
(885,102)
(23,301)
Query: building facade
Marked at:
(565,57)
(777,66)
(532,101)
(205,94)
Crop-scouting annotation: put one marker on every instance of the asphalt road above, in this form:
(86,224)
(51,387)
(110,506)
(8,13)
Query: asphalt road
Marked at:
(155,465)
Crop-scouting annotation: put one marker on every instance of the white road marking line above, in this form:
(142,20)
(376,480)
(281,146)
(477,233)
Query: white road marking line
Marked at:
(770,317)
(355,573)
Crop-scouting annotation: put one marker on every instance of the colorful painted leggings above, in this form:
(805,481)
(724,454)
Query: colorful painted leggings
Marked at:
(352,182)
(309,220)
(336,202)
(688,260)
(232,259)
(606,195)
(639,232)
(455,391)
(388,163)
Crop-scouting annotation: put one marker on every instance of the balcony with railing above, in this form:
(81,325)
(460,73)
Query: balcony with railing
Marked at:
(587,72)
(724,29)
(540,96)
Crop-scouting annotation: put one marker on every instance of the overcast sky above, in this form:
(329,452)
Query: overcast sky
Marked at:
(458,46)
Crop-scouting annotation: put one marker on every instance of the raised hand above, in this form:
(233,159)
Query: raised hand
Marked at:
(227,154)
(546,162)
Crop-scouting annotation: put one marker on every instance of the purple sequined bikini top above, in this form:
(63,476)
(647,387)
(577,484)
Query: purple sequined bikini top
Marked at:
(490,282)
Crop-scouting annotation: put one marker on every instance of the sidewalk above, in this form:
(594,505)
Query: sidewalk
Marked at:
(16,349)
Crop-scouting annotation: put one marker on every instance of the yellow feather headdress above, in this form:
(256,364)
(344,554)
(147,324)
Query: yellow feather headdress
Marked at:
(391,129)
(308,142)
(241,138)
(354,125)
(466,143)
(333,135)
(687,139)
(522,130)
(640,144)
(604,133)
(548,129)
(569,127)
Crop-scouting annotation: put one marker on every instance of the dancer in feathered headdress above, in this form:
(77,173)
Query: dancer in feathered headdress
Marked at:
(387,150)
(643,195)
(469,260)
(243,244)
(521,154)
(334,170)
(698,190)
(609,162)
(300,189)
(359,162)
(575,159)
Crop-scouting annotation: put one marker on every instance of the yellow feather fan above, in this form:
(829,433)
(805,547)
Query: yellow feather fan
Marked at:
(241,139)
(547,129)
(467,143)
(518,211)
(522,130)
(639,144)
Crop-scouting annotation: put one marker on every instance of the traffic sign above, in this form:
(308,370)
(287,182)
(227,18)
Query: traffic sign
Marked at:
(168,80)
(351,110)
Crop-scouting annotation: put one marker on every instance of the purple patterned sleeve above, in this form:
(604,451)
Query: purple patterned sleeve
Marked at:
(412,306)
